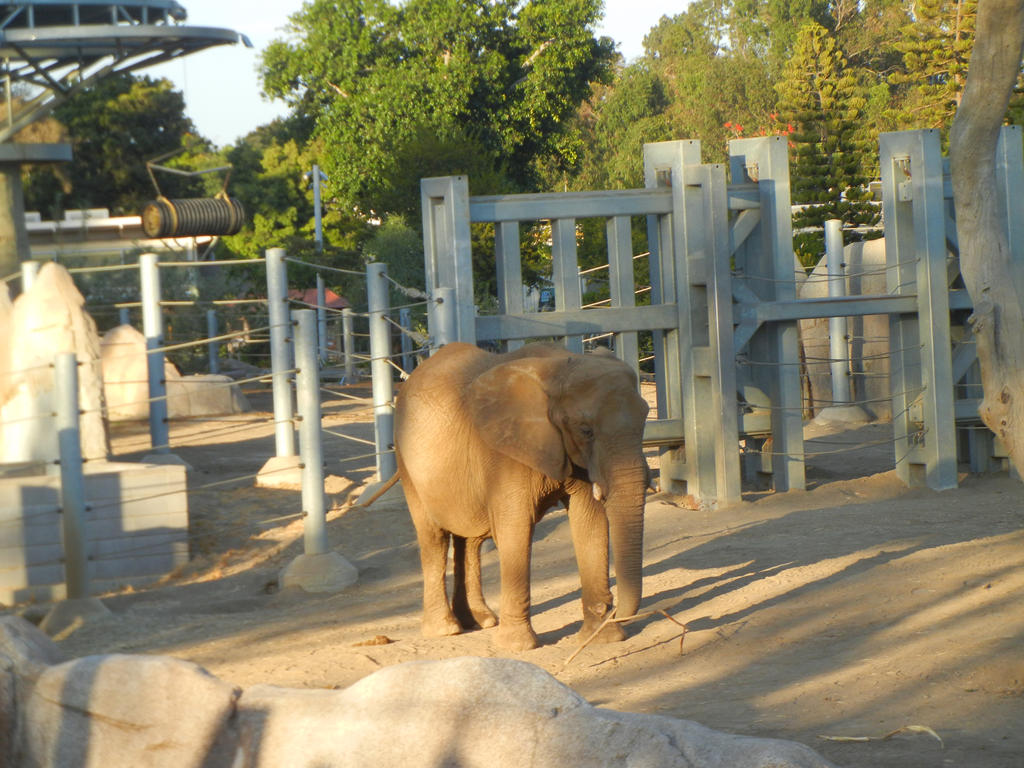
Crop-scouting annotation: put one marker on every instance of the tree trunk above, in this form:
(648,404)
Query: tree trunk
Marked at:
(992,280)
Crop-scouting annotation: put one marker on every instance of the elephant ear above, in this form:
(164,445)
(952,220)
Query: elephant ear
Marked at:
(508,405)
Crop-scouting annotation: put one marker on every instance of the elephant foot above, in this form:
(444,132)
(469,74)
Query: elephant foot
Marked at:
(442,627)
(470,618)
(515,637)
(610,633)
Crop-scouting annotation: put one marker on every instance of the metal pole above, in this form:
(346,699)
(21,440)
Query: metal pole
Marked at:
(383,386)
(347,340)
(280,351)
(307,384)
(29,272)
(839,349)
(72,482)
(319,235)
(153,330)
(447,318)
(124,316)
(321,315)
(212,347)
(405,320)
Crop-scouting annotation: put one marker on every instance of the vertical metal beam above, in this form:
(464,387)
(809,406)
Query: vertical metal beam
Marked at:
(347,343)
(321,316)
(565,273)
(153,330)
(838,348)
(447,252)
(510,272)
(307,389)
(29,272)
(405,321)
(921,373)
(660,159)
(380,367)
(444,329)
(621,284)
(766,257)
(1010,178)
(281,353)
(212,347)
(72,482)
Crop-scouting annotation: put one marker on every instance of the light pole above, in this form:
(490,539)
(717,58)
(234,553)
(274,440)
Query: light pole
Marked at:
(317,176)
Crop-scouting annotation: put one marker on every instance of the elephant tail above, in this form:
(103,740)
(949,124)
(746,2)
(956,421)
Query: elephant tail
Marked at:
(387,486)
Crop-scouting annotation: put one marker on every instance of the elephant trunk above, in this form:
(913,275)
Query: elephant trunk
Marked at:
(625,510)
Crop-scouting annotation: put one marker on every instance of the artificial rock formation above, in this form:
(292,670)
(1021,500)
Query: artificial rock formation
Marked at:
(47,320)
(126,383)
(120,711)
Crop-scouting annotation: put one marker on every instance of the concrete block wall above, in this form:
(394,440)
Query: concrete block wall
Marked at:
(136,526)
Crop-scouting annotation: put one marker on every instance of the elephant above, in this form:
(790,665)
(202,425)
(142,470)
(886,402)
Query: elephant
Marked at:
(487,443)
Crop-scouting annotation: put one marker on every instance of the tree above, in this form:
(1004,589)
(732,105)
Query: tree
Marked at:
(823,102)
(114,128)
(493,80)
(993,282)
(936,47)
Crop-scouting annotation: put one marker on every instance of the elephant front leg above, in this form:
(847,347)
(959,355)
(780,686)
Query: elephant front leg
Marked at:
(438,620)
(468,602)
(589,526)
(515,632)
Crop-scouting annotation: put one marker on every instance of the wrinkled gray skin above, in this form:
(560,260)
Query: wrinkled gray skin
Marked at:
(487,443)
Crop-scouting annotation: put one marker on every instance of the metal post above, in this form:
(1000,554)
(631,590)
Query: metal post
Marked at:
(153,330)
(29,272)
(321,315)
(124,316)
(317,225)
(347,340)
(307,386)
(212,347)
(405,320)
(839,350)
(72,482)
(445,319)
(280,351)
(383,386)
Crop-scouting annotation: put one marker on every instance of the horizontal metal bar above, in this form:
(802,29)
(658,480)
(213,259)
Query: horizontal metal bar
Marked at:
(663,432)
(570,205)
(840,306)
(577,322)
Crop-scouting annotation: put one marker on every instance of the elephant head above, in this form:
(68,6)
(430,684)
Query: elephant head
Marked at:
(575,415)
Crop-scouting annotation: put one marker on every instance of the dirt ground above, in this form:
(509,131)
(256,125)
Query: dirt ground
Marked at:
(852,609)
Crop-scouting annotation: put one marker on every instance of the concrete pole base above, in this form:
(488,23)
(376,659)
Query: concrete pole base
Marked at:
(329,572)
(69,613)
(850,415)
(280,472)
(172,459)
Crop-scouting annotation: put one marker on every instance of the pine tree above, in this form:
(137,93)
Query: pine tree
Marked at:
(936,48)
(820,99)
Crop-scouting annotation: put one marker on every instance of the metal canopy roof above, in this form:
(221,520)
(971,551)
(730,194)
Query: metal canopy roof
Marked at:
(61,48)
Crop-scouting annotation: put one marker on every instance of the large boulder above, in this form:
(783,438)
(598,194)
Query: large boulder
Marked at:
(118,711)
(126,383)
(49,319)
(480,712)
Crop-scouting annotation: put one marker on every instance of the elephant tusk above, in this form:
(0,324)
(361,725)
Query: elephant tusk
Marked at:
(598,493)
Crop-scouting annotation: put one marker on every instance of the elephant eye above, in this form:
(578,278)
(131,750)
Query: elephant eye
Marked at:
(587,431)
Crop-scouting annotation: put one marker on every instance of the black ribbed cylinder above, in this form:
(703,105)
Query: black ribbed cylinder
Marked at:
(193,216)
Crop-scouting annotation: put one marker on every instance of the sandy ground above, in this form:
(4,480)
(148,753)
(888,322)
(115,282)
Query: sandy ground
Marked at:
(849,610)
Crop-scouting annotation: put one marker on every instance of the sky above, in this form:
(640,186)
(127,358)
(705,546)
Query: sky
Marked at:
(221,88)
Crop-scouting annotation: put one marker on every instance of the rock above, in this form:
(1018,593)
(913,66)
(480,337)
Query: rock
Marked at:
(126,383)
(24,653)
(126,711)
(480,712)
(47,320)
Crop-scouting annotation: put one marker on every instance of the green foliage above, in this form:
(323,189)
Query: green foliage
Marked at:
(115,127)
(936,48)
(822,100)
(495,79)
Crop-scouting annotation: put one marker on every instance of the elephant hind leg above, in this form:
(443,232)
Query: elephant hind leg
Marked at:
(468,602)
(438,620)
